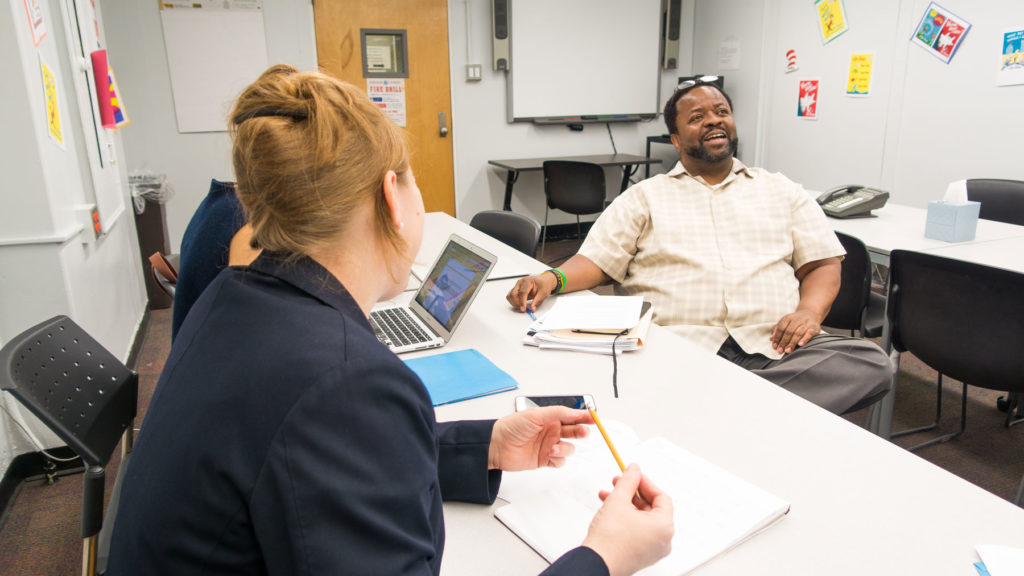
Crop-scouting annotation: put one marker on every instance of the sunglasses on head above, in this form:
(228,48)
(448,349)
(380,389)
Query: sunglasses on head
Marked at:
(699,81)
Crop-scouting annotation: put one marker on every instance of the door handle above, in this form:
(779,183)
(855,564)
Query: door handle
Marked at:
(442,124)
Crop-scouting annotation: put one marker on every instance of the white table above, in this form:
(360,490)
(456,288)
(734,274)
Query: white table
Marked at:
(895,226)
(439,226)
(1006,253)
(860,505)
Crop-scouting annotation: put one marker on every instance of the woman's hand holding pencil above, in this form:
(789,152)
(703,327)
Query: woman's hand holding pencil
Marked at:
(629,536)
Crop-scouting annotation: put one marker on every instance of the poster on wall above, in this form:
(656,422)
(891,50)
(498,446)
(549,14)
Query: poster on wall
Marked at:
(807,100)
(791,65)
(1011,59)
(858,81)
(389,95)
(34,11)
(940,32)
(53,123)
(729,54)
(831,19)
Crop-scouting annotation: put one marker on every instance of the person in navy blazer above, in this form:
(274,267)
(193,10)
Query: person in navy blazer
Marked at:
(283,438)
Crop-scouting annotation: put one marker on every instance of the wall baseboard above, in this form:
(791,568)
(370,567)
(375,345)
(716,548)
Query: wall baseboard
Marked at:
(140,337)
(31,465)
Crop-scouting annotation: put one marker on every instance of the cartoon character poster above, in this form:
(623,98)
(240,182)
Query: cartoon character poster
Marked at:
(831,19)
(940,32)
(1011,58)
(807,100)
(53,123)
(858,81)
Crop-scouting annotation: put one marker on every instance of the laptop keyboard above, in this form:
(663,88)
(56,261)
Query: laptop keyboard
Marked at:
(397,327)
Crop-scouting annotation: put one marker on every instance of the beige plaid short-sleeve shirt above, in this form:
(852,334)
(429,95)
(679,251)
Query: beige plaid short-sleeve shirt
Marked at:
(713,261)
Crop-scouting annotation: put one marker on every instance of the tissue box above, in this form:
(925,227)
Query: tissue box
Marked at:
(951,222)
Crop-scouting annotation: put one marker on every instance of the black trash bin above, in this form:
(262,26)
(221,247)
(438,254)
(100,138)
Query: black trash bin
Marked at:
(149,196)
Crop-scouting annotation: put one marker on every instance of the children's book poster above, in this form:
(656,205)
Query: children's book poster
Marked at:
(1011,61)
(831,19)
(858,81)
(807,102)
(52,104)
(940,32)
(34,11)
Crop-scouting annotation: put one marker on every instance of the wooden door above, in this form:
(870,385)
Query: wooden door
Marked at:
(428,87)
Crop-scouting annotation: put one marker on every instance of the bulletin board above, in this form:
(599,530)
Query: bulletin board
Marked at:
(596,60)
(212,54)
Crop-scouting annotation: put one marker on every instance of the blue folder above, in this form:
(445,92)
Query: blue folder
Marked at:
(461,375)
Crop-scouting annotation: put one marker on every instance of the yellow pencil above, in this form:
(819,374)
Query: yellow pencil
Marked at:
(607,439)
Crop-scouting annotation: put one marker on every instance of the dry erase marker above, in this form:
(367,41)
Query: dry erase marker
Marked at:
(607,439)
(530,314)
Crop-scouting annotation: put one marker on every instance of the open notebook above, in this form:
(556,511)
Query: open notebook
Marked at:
(550,509)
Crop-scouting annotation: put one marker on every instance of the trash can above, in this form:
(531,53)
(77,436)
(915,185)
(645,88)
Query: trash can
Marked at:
(150,193)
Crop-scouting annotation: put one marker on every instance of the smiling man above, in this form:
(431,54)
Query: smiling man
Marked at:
(737,260)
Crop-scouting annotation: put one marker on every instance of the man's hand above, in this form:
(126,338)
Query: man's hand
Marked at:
(819,284)
(533,438)
(535,288)
(793,331)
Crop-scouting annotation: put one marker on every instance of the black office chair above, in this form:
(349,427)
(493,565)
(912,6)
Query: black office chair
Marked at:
(517,230)
(88,398)
(1002,201)
(574,187)
(165,271)
(856,307)
(963,319)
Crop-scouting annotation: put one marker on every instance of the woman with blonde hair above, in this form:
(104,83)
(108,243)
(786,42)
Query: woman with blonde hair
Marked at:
(283,438)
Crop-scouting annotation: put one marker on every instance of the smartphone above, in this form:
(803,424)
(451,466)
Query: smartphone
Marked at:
(581,401)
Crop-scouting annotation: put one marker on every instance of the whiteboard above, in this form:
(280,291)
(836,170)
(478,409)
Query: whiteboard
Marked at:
(576,58)
(212,56)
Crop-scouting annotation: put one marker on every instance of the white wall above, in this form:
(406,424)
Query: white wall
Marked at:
(925,124)
(481,132)
(45,267)
(724,22)
(136,51)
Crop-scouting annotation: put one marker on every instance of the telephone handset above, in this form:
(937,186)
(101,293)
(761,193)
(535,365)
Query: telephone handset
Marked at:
(852,201)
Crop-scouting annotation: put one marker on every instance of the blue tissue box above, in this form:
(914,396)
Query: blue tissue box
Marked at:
(951,222)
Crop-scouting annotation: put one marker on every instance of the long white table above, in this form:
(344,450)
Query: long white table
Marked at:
(1006,253)
(860,505)
(895,226)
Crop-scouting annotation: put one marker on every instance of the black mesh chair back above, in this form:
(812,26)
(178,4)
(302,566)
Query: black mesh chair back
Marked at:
(574,187)
(84,394)
(856,307)
(517,230)
(963,319)
(1001,200)
(850,304)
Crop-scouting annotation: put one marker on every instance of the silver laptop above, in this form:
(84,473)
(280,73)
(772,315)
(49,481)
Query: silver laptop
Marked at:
(441,302)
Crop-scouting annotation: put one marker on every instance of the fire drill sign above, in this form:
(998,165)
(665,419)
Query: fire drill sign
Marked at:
(389,95)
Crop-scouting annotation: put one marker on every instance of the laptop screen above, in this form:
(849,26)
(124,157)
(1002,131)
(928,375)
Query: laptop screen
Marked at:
(451,284)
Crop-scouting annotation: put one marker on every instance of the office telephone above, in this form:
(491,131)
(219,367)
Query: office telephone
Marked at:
(852,201)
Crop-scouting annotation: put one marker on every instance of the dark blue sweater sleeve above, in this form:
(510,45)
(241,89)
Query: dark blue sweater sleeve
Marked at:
(464,476)
(462,462)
